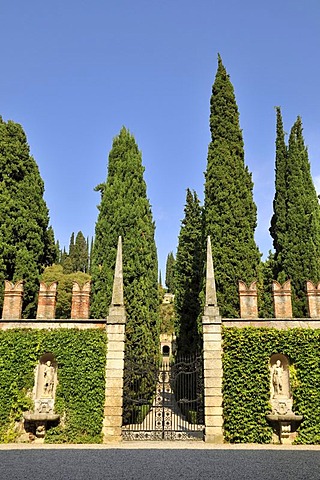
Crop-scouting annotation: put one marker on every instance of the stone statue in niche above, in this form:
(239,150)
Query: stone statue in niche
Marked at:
(277,378)
(43,416)
(280,394)
(282,418)
(48,377)
(46,382)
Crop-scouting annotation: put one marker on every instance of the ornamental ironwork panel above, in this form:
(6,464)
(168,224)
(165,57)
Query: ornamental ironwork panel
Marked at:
(164,402)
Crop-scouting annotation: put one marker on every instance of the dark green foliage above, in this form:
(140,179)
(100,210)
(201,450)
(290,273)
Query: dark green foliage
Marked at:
(278,220)
(188,276)
(170,275)
(79,256)
(229,210)
(90,255)
(167,315)
(295,225)
(77,260)
(125,210)
(26,243)
(56,273)
(246,382)
(80,355)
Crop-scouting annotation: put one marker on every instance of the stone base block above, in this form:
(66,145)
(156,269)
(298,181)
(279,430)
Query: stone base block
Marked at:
(215,438)
(112,434)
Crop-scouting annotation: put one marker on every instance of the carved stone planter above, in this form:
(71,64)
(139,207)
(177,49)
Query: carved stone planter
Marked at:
(38,423)
(285,426)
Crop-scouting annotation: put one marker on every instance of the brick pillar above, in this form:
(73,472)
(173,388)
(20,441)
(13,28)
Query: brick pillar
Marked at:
(80,301)
(248,300)
(116,325)
(212,351)
(313,298)
(12,301)
(282,299)
(47,301)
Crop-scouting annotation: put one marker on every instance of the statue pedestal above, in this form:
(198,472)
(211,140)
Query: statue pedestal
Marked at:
(38,422)
(285,426)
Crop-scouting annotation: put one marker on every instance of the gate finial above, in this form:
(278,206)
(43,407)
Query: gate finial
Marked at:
(211,294)
(117,292)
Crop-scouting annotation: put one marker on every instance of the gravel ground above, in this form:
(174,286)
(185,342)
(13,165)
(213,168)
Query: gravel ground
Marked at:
(156,464)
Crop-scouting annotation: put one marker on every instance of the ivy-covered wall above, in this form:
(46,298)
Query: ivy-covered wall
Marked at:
(246,382)
(81,358)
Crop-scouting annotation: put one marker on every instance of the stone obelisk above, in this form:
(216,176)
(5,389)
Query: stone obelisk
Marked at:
(212,355)
(116,324)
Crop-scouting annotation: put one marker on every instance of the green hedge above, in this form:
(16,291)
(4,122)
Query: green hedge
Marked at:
(246,382)
(81,357)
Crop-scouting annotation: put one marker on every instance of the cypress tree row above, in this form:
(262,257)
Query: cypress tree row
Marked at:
(125,210)
(295,226)
(230,214)
(188,276)
(26,243)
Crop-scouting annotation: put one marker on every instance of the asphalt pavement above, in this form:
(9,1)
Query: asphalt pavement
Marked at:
(132,462)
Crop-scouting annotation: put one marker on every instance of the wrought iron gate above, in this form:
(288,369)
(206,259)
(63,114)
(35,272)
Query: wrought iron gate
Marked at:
(164,403)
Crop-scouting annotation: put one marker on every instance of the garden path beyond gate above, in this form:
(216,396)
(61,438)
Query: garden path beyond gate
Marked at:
(164,403)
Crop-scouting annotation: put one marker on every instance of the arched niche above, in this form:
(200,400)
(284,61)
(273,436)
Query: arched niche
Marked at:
(166,351)
(45,382)
(279,377)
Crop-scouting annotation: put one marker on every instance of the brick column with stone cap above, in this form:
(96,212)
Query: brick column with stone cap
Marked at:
(248,300)
(12,301)
(116,324)
(212,358)
(47,301)
(313,298)
(282,299)
(80,301)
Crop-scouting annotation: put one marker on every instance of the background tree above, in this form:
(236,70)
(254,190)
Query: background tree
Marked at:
(125,210)
(26,243)
(230,215)
(79,254)
(55,273)
(295,225)
(189,271)
(170,276)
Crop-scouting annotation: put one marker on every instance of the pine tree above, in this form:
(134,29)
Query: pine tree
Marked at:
(26,243)
(125,210)
(188,270)
(230,215)
(295,225)
(170,266)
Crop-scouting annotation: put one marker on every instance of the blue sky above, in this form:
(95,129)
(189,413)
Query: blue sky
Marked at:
(72,72)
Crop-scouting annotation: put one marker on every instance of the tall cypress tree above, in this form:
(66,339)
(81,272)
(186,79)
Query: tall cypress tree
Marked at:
(26,243)
(125,210)
(79,253)
(170,267)
(188,274)
(278,229)
(230,215)
(295,226)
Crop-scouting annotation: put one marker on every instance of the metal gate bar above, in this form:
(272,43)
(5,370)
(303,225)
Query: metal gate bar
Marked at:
(170,408)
